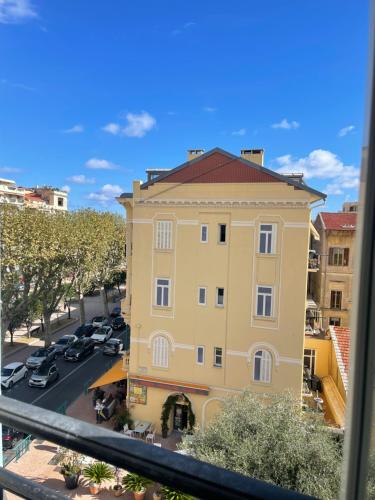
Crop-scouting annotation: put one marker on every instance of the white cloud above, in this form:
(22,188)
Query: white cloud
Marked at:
(185,27)
(21,86)
(137,125)
(286,125)
(66,188)
(16,11)
(10,170)
(322,164)
(112,128)
(81,179)
(99,164)
(76,129)
(346,130)
(106,194)
(209,109)
(241,131)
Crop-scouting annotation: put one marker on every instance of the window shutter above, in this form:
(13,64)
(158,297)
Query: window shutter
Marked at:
(346,256)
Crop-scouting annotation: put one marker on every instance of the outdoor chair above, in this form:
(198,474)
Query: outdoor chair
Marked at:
(150,435)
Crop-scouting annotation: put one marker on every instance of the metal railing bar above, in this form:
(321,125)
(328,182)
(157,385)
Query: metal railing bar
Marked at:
(163,466)
(26,488)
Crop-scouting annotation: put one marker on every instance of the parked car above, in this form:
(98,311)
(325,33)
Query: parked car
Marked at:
(41,356)
(99,321)
(118,323)
(85,331)
(79,349)
(44,375)
(11,437)
(102,334)
(113,347)
(64,343)
(12,373)
(116,311)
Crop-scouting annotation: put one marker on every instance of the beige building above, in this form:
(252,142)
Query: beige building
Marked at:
(42,198)
(336,248)
(217,256)
(10,193)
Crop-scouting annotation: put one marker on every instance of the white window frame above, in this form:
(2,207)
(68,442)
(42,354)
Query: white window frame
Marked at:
(163,235)
(218,365)
(312,360)
(217,296)
(204,226)
(219,231)
(264,302)
(205,296)
(160,352)
(197,355)
(163,287)
(265,371)
(273,234)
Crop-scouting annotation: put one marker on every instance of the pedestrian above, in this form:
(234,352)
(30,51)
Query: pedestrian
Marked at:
(99,409)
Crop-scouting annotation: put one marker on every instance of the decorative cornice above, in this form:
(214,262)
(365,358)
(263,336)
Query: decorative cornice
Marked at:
(230,203)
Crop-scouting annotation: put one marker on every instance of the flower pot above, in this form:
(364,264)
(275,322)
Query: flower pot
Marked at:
(71,481)
(117,490)
(94,488)
(156,496)
(139,495)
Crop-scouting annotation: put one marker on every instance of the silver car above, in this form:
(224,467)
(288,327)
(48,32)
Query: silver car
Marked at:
(44,376)
(39,357)
(63,343)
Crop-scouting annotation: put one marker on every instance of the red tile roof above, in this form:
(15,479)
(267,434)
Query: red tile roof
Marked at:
(339,221)
(341,341)
(34,197)
(217,168)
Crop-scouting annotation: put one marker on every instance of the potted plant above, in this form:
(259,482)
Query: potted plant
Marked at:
(171,494)
(157,495)
(71,466)
(117,489)
(121,418)
(137,484)
(97,473)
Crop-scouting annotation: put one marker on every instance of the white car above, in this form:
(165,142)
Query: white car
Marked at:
(12,373)
(102,334)
(99,321)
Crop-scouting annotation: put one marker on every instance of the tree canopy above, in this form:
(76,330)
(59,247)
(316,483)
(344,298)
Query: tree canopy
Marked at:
(270,438)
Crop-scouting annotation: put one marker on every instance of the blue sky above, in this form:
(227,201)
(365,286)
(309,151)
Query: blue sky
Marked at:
(92,93)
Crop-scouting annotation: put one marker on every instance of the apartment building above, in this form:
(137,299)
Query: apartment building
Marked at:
(42,198)
(217,263)
(336,249)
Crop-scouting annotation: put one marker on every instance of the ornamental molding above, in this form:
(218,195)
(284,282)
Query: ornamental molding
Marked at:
(222,203)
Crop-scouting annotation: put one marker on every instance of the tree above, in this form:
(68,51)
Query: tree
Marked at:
(270,438)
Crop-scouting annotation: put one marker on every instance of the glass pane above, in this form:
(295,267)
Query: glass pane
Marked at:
(158,296)
(202,295)
(268,305)
(263,289)
(260,305)
(269,243)
(165,296)
(262,243)
(257,365)
(266,227)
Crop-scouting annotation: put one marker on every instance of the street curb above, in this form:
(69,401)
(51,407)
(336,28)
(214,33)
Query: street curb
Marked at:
(37,340)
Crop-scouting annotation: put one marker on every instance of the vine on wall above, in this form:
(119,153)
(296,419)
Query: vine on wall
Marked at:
(167,407)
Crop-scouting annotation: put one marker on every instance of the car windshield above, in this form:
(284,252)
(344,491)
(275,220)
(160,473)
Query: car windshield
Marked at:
(101,331)
(41,353)
(98,318)
(6,430)
(43,370)
(63,341)
(78,345)
(6,372)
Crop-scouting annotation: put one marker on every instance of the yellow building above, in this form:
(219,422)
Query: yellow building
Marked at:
(332,288)
(217,261)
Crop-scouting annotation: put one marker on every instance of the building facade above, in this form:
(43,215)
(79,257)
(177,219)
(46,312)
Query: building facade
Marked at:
(336,248)
(217,262)
(42,198)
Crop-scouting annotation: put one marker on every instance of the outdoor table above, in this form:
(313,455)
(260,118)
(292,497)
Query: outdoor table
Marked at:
(142,428)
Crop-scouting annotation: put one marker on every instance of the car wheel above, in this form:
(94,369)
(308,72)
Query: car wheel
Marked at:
(10,384)
(25,375)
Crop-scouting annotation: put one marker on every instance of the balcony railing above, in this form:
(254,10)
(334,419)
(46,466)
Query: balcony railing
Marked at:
(163,466)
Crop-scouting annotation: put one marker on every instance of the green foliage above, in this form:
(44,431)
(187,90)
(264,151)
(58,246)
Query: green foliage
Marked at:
(268,437)
(135,482)
(98,472)
(171,494)
(70,461)
(121,418)
(371,476)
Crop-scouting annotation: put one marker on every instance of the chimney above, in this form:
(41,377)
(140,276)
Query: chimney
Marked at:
(254,155)
(194,153)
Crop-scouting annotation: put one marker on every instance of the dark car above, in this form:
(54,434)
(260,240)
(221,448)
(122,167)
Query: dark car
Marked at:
(84,331)
(64,343)
(118,323)
(116,311)
(81,348)
(44,376)
(113,347)
(40,356)
(11,437)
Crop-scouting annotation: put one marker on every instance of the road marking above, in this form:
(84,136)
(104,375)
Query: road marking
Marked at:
(62,380)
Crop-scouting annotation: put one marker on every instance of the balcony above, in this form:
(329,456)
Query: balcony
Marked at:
(163,466)
(314,261)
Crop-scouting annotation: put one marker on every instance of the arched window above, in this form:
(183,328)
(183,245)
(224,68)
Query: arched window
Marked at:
(262,366)
(160,352)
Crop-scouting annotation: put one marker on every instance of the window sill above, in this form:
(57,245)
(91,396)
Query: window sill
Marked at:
(162,308)
(219,306)
(263,384)
(267,255)
(217,366)
(265,318)
(163,250)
